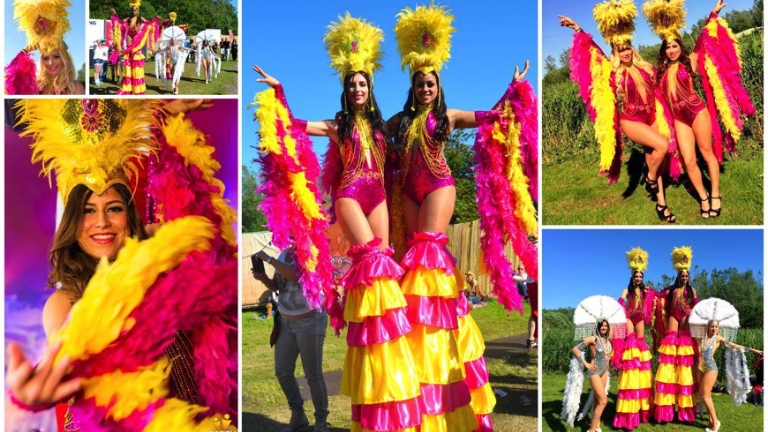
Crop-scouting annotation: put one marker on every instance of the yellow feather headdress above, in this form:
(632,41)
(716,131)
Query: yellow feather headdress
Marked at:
(354,45)
(637,259)
(666,17)
(424,38)
(681,258)
(44,21)
(134,3)
(615,20)
(93,142)
(172,16)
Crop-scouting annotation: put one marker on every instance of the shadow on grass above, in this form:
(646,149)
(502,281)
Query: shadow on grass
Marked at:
(258,422)
(635,165)
(517,401)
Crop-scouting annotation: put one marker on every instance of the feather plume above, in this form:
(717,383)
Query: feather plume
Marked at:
(666,17)
(572,392)
(424,38)
(354,45)
(637,259)
(20,75)
(615,20)
(44,21)
(681,258)
(96,142)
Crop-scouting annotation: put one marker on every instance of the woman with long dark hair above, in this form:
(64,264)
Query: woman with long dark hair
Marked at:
(694,121)
(601,351)
(354,178)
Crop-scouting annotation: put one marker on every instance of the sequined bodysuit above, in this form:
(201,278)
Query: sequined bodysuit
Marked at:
(634,306)
(707,358)
(602,356)
(634,106)
(362,178)
(680,305)
(677,86)
(422,163)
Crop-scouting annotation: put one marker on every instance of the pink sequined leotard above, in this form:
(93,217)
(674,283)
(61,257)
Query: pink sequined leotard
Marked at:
(362,177)
(677,86)
(423,166)
(679,304)
(634,107)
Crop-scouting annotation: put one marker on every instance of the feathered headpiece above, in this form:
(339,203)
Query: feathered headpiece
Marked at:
(714,309)
(44,21)
(637,259)
(93,142)
(666,17)
(134,3)
(424,38)
(354,45)
(172,16)
(681,258)
(593,310)
(615,20)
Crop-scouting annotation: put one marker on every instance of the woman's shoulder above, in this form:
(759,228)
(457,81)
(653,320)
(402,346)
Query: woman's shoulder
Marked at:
(79,88)
(56,309)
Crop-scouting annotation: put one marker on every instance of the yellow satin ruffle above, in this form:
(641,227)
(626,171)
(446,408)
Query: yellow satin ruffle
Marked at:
(646,380)
(666,373)
(470,339)
(376,300)
(662,399)
(435,354)
(684,375)
(460,420)
(628,405)
(483,399)
(668,349)
(356,427)
(380,373)
(631,353)
(430,283)
(629,379)
(684,351)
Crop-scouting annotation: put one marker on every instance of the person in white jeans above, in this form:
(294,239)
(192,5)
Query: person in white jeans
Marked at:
(302,333)
(100,56)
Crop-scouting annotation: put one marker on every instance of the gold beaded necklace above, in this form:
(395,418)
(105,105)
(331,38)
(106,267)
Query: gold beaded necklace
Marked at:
(431,151)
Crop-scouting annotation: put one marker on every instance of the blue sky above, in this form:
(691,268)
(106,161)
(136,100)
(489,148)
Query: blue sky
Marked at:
(492,36)
(584,262)
(555,39)
(15,40)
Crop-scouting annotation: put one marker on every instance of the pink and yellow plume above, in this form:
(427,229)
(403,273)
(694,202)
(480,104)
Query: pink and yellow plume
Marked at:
(681,258)
(616,20)
(666,17)
(44,21)
(354,45)
(424,38)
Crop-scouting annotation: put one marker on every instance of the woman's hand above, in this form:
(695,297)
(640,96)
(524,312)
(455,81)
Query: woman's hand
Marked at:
(719,6)
(519,76)
(567,22)
(591,366)
(29,48)
(265,78)
(263,256)
(180,106)
(114,12)
(261,277)
(40,385)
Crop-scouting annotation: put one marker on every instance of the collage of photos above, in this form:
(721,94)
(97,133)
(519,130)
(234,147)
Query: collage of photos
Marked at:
(396,216)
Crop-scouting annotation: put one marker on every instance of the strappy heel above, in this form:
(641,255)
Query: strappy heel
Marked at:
(665,214)
(705,214)
(713,212)
(651,186)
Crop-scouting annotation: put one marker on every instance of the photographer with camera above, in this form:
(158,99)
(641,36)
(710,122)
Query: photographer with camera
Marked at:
(301,332)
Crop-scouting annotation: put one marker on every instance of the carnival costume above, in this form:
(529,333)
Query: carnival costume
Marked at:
(378,374)
(153,337)
(171,59)
(631,94)
(45,22)
(632,356)
(587,317)
(727,317)
(674,377)
(719,65)
(142,35)
(448,348)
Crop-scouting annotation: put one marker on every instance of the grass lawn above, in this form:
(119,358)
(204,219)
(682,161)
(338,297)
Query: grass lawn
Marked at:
(747,417)
(190,84)
(574,194)
(265,409)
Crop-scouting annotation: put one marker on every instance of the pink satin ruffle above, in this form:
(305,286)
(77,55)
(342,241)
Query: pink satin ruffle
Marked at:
(369,263)
(667,359)
(378,329)
(634,394)
(484,423)
(432,311)
(439,399)
(428,250)
(664,413)
(388,416)
(627,421)
(666,388)
(477,373)
(462,306)
(687,415)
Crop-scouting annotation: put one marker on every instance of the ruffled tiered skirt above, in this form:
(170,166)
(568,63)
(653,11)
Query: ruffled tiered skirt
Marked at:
(674,379)
(635,388)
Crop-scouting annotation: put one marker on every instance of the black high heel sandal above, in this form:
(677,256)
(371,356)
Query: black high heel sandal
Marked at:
(705,214)
(665,214)
(651,186)
(713,212)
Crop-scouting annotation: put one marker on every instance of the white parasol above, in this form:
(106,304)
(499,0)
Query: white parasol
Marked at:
(714,309)
(206,35)
(597,308)
(172,33)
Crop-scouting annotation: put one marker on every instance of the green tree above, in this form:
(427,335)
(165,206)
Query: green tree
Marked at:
(460,158)
(253,219)
(198,15)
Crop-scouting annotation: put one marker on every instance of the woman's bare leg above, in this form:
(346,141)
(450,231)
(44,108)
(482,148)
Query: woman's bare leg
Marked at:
(353,221)
(686,144)
(705,392)
(702,130)
(650,138)
(437,209)
(600,401)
